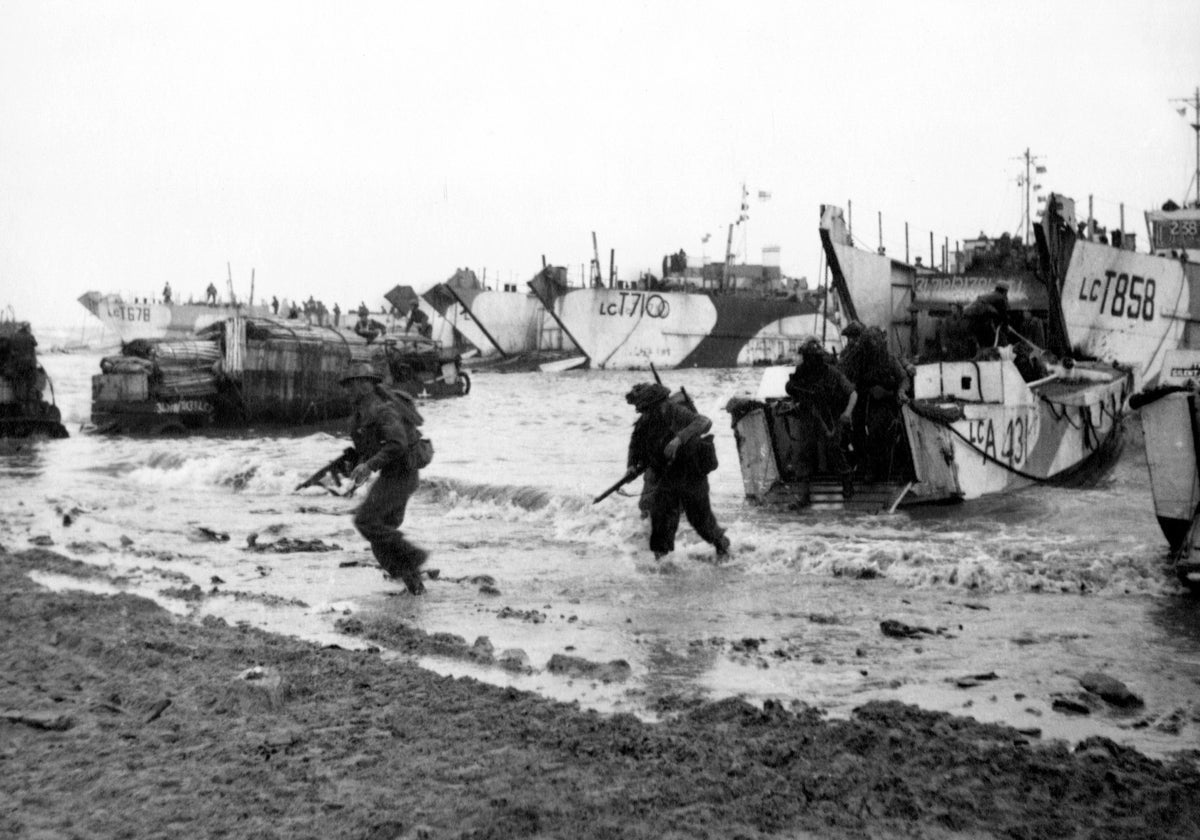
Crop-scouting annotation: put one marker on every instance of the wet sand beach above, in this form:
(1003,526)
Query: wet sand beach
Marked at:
(123,720)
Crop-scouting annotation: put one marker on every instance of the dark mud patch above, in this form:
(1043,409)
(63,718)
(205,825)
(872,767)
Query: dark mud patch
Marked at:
(119,720)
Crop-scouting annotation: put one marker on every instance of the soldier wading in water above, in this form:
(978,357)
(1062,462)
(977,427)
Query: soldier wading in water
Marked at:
(665,440)
(387,439)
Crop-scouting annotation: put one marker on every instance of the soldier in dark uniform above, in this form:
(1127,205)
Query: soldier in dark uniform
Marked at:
(368,327)
(384,429)
(988,315)
(852,333)
(954,338)
(420,319)
(22,368)
(882,385)
(663,440)
(824,400)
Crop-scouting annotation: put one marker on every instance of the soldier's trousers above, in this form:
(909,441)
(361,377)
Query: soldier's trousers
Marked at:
(380,515)
(671,497)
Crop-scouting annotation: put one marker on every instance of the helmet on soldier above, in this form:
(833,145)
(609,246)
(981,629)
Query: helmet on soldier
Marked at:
(646,395)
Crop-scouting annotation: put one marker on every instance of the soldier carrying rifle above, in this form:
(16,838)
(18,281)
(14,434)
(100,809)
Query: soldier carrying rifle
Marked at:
(667,439)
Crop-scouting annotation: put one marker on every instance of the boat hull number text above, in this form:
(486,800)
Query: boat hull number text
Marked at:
(1121,295)
(1006,441)
(121,312)
(634,305)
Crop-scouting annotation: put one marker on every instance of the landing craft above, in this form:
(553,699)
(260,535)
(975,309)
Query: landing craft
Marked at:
(132,317)
(24,411)
(1121,304)
(969,427)
(1168,406)
(259,370)
(501,322)
(717,315)
(1170,414)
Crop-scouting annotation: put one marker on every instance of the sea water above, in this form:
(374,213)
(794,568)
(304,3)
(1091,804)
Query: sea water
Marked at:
(1024,593)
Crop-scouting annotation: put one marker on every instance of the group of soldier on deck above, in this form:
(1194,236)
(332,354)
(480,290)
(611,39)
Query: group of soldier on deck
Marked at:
(856,398)
(861,391)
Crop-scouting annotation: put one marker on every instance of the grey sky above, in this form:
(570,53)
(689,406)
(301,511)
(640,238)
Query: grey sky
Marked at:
(340,148)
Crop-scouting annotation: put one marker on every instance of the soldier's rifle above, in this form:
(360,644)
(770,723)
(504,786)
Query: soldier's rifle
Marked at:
(634,474)
(339,468)
(625,479)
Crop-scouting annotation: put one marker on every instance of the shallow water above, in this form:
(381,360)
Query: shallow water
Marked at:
(1038,587)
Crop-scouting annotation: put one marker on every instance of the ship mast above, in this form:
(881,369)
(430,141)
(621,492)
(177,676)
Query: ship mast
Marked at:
(743,215)
(1194,102)
(1025,181)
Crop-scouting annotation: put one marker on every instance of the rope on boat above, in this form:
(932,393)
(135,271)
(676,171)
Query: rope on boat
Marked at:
(1091,433)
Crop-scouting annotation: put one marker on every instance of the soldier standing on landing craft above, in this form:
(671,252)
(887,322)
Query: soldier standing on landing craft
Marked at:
(824,400)
(385,430)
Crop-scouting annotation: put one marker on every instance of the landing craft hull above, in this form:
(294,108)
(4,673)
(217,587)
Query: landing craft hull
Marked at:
(1169,424)
(632,329)
(974,429)
(1170,415)
(133,320)
(28,414)
(1010,435)
(260,370)
(1122,305)
(1130,307)
(500,322)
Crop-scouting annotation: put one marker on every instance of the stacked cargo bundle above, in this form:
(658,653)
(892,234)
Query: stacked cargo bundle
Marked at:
(179,368)
(157,385)
(233,373)
(295,373)
(287,371)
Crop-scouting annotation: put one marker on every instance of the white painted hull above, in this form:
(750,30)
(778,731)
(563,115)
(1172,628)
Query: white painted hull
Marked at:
(133,320)
(504,322)
(632,329)
(1130,307)
(1008,435)
(1015,435)
(1168,426)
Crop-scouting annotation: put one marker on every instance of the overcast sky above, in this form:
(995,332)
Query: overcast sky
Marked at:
(337,149)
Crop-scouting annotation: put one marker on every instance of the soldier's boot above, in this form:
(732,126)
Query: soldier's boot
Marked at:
(410,570)
(847,486)
(722,545)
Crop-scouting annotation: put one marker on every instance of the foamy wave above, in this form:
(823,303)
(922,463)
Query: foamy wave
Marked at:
(977,568)
(454,492)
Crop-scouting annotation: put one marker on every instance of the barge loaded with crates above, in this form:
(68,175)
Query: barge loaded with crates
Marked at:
(250,371)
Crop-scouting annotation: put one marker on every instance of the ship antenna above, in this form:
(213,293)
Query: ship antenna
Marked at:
(1026,182)
(1194,102)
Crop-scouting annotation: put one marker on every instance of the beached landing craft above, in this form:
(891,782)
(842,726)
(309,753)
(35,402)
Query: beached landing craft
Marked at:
(1170,414)
(1121,304)
(24,414)
(137,317)
(501,322)
(246,371)
(971,428)
(717,315)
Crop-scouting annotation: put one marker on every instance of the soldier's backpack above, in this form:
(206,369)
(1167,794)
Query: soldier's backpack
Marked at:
(420,454)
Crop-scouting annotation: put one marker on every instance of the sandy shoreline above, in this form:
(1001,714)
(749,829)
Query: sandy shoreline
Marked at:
(120,720)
